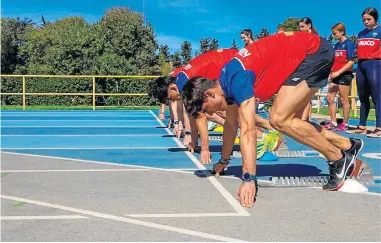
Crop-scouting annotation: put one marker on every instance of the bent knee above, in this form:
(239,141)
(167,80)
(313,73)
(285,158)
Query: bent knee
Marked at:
(278,122)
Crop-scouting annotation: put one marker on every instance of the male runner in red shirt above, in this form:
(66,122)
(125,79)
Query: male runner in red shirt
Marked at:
(293,65)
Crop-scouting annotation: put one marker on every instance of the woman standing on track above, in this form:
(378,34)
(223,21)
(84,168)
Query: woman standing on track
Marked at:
(341,76)
(368,74)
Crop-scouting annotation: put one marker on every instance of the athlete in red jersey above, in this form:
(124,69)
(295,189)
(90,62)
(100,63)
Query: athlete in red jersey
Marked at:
(176,71)
(341,76)
(293,65)
(207,65)
(368,73)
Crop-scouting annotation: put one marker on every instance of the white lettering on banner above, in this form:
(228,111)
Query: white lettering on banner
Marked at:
(187,67)
(244,52)
(366,43)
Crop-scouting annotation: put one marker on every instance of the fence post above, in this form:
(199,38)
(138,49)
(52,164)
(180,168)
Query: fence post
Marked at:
(93,93)
(23,93)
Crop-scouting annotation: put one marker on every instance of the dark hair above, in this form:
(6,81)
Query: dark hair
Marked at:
(159,88)
(193,94)
(248,33)
(307,20)
(372,12)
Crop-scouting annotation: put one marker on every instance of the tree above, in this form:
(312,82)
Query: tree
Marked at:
(204,45)
(43,20)
(164,51)
(213,44)
(67,46)
(290,24)
(264,32)
(164,58)
(186,52)
(234,45)
(176,60)
(13,31)
(124,32)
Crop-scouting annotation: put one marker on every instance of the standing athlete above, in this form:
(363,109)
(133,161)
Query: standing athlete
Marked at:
(341,76)
(293,65)
(368,74)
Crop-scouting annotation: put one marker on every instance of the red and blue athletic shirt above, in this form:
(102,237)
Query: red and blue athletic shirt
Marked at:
(272,60)
(344,52)
(176,71)
(368,44)
(207,65)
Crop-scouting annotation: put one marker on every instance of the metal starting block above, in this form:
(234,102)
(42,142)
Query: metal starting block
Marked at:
(365,177)
(315,181)
(288,154)
(215,138)
(296,154)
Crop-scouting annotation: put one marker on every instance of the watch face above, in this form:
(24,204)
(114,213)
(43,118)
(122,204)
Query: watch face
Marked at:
(246,176)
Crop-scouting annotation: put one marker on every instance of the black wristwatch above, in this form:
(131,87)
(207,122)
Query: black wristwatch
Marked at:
(246,177)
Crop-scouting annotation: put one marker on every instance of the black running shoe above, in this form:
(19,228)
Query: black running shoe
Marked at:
(339,170)
(357,145)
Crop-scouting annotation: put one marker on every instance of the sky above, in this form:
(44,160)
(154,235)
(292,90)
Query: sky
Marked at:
(175,21)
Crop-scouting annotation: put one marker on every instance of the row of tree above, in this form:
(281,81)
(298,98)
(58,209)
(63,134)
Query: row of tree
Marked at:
(121,42)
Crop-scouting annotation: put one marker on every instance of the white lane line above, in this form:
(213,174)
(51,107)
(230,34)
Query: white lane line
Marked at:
(177,170)
(233,202)
(88,148)
(42,217)
(80,170)
(184,215)
(126,220)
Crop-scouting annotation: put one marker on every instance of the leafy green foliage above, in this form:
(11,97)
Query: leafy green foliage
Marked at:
(12,39)
(176,59)
(264,32)
(186,52)
(290,24)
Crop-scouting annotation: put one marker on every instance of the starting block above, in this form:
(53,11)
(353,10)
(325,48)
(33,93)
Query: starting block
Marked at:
(365,177)
(296,154)
(365,172)
(215,138)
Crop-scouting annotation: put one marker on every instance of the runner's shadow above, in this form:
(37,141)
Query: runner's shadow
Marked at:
(271,170)
(168,136)
(212,148)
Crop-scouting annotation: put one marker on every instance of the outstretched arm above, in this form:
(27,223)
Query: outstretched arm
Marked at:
(230,131)
(248,141)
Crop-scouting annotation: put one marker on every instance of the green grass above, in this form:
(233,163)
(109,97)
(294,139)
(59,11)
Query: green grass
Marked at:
(18,204)
(60,107)
(324,111)
(4,174)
